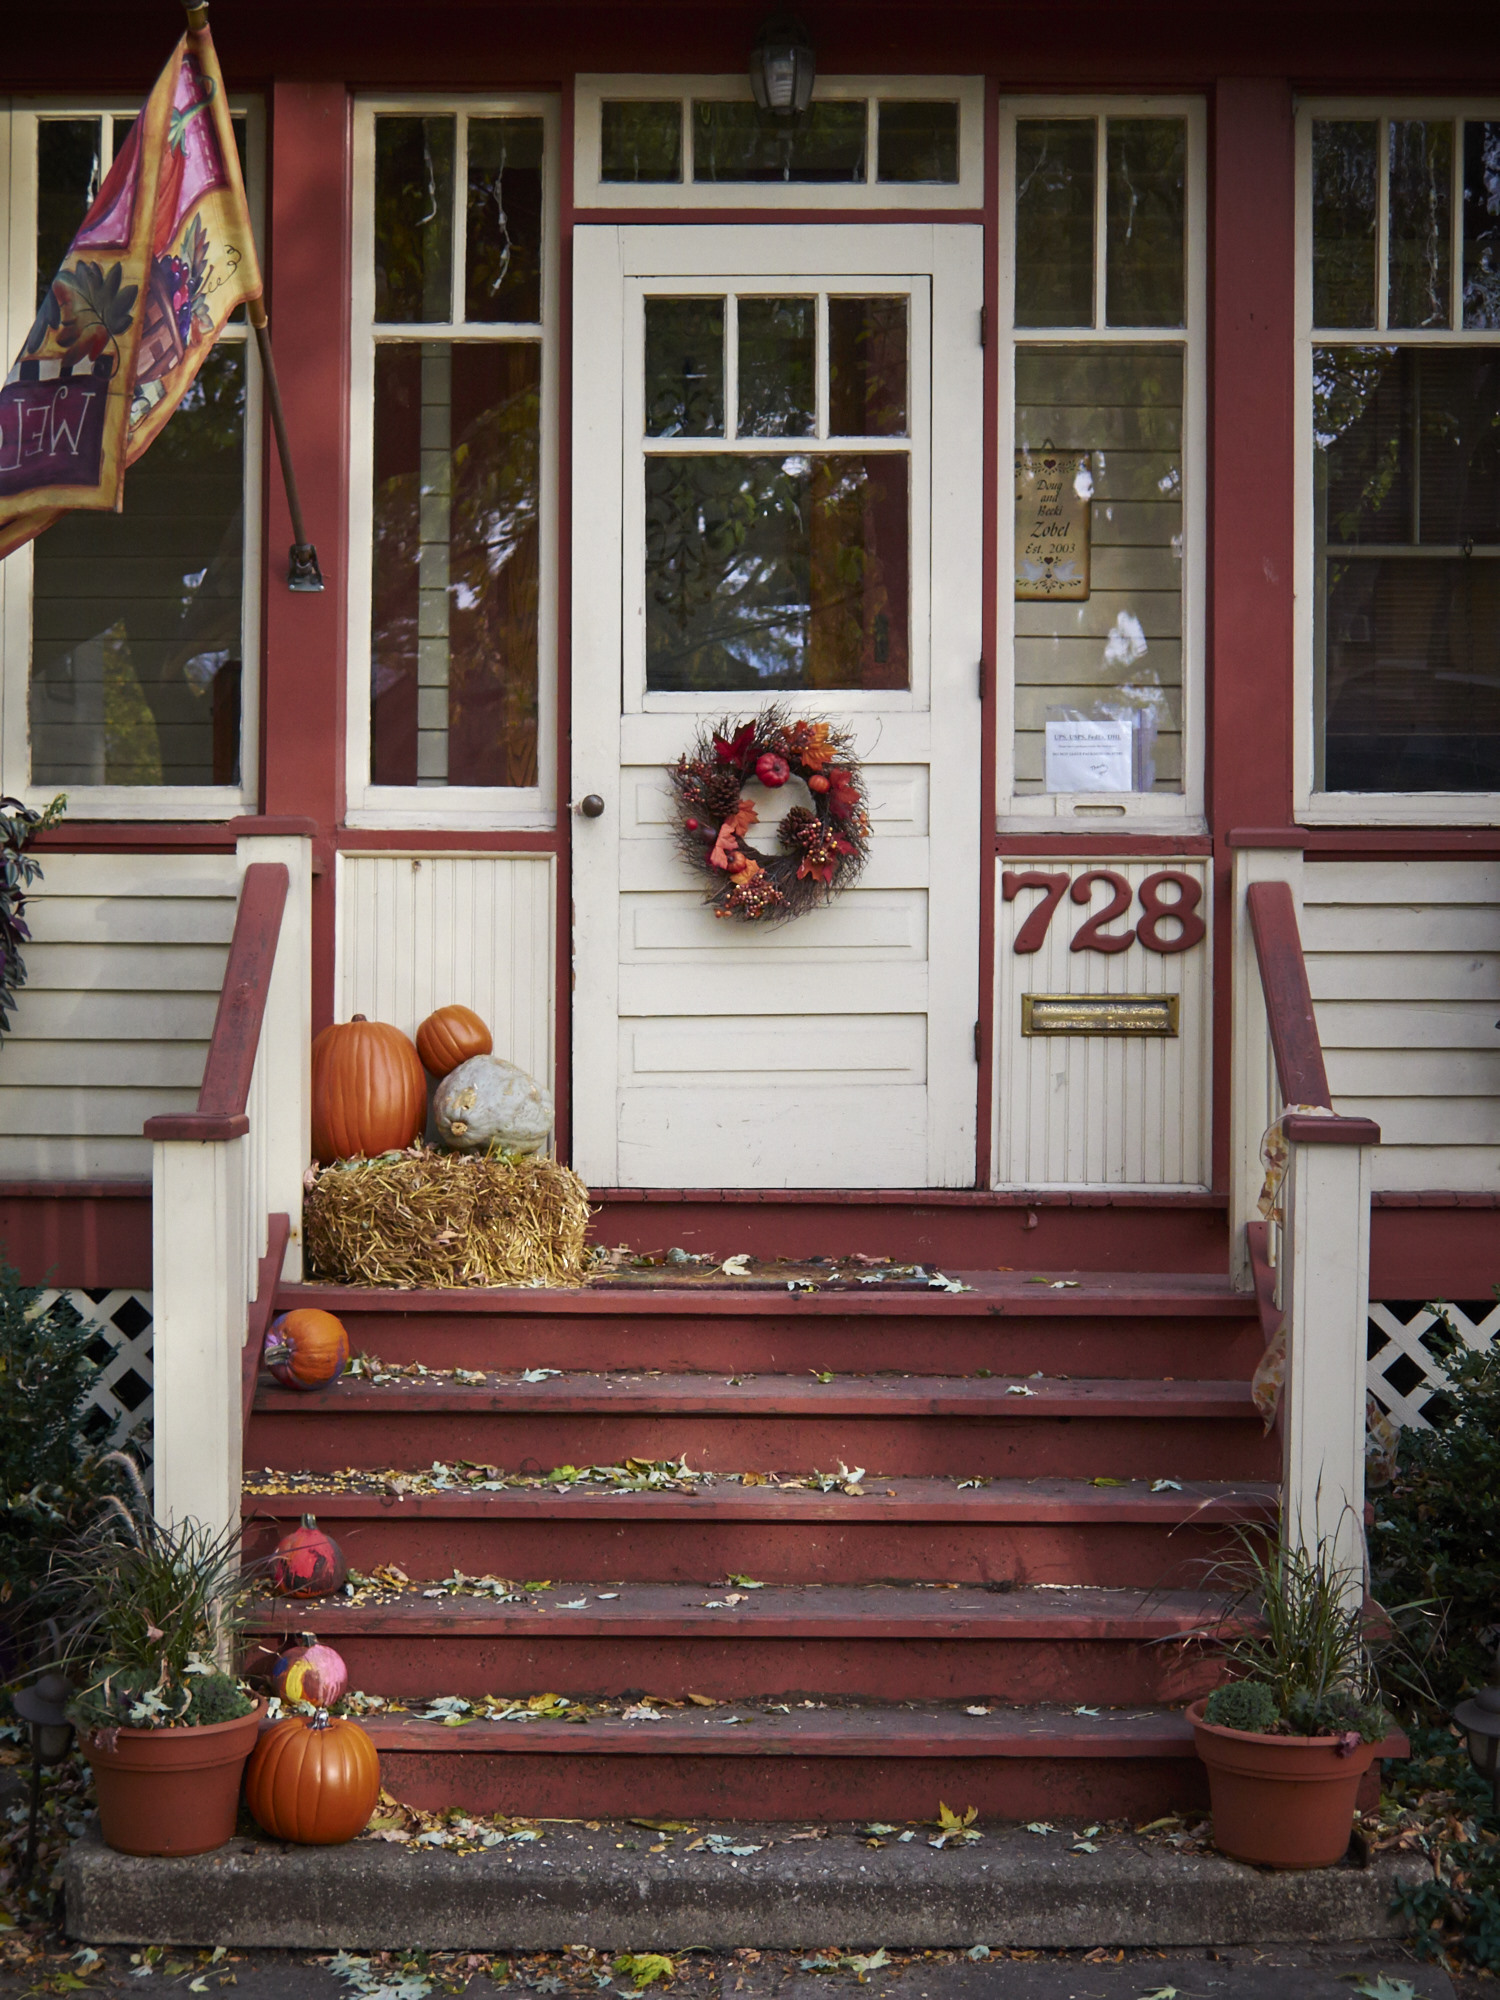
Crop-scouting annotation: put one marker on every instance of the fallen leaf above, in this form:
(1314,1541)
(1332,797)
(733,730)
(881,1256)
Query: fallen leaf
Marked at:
(1376,1986)
(645,1967)
(1165,1486)
(976,1710)
(737,1266)
(1040,1826)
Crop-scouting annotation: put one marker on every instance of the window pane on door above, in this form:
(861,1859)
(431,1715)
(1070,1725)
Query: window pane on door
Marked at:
(684,367)
(867,367)
(136,617)
(790,572)
(776,368)
(453,643)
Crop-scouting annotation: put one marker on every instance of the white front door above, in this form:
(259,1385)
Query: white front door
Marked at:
(728,381)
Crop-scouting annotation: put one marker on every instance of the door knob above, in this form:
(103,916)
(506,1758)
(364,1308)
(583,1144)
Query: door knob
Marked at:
(592,806)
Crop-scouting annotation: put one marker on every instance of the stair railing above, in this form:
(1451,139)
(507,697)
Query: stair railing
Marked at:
(227,1189)
(1318,1239)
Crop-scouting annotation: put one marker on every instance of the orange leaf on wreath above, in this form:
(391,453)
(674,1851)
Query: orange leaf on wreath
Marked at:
(726,846)
(810,745)
(743,869)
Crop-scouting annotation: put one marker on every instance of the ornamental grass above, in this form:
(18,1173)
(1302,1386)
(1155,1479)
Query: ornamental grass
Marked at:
(440,1220)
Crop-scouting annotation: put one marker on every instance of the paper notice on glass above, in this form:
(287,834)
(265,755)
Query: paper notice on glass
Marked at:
(1086,756)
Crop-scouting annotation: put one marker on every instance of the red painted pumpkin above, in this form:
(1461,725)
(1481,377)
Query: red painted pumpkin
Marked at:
(313,1780)
(450,1037)
(369,1095)
(307,1348)
(307,1563)
(310,1672)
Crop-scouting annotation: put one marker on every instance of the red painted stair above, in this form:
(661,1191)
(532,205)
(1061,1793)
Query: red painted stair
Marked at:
(1005,1606)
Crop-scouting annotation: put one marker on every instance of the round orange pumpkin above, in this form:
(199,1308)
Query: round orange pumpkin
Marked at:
(313,1779)
(306,1348)
(369,1094)
(450,1037)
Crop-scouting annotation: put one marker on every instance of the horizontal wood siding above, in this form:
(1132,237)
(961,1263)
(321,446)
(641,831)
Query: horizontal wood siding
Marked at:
(1404,963)
(125,967)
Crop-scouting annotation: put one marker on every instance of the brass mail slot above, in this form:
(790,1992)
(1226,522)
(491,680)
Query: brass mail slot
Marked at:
(1099,1013)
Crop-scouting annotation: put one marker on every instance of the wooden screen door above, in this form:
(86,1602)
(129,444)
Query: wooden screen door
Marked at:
(731,383)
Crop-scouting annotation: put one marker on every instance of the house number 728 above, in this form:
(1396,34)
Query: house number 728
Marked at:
(1188,928)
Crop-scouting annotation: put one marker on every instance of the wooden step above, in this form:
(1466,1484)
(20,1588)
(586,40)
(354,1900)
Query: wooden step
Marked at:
(880,1642)
(1012,1531)
(743,1760)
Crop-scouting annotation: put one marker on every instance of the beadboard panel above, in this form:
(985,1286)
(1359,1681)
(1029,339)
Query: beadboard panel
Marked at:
(418,931)
(124,970)
(1403,959)
(1095,1111)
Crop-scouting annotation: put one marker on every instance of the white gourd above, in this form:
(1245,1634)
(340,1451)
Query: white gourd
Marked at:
(486,1102)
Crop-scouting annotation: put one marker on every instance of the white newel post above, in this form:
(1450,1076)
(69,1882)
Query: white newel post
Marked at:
(284,1095)
(1254,1097)
(1325,1291)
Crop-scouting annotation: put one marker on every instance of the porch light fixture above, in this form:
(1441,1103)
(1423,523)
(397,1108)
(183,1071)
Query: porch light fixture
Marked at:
(43,1707)
(782,67)
(1479,1719)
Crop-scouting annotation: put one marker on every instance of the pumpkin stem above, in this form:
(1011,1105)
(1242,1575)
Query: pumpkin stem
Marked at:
(321,1719)
(358,1017)
(309,1520)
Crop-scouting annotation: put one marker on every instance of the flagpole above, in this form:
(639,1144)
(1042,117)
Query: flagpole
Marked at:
(303,572)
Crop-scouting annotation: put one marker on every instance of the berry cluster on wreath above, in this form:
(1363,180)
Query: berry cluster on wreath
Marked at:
(822,845)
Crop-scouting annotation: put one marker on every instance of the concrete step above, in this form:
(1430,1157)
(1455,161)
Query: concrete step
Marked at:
(1008,1531)
(879,1642)
(908,1424)
(1101,1324)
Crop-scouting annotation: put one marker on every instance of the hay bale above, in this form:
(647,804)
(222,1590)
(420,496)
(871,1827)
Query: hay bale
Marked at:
(439,1220)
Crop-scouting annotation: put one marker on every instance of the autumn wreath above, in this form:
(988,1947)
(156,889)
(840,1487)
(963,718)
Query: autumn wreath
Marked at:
(822,845)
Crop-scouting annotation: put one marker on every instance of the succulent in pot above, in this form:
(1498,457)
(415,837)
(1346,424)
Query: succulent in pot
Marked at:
(150,1613)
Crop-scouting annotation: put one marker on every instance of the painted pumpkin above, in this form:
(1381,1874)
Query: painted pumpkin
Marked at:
(314,1779)
(307,1348)
(307,1563)
(369,1094)
(310,1672)
(450,1037)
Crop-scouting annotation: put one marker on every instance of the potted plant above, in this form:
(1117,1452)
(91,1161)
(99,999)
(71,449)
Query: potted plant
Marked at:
(1288,1740)
(151,1615)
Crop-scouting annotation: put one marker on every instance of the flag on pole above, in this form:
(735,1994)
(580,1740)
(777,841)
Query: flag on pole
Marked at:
(162,259)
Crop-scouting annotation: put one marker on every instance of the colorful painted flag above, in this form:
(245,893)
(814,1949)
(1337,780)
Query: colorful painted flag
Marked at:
(162,259)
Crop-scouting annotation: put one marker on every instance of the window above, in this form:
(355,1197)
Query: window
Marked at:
(1401,407)
(129,639)
(644,142)
(1101,658)
(452,630)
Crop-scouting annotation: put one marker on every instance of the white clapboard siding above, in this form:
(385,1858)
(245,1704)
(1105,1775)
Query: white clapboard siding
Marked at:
(1100,1110)
(419,931)
(1404,962)
(124,970)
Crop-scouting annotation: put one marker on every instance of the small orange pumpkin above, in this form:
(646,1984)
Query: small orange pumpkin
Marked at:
(306,1348)
(314,1779)
(369,1095)
(450,1037)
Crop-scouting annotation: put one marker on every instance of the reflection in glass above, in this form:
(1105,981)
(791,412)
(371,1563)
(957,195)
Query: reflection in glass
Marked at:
(503,228)
(453,638)
(1346,194)
(1421,218)
(1481,224)
(1055,174)
(413,219)
(866,367)
(67,179)
(777,360)
(784,572)
(136,617)
(740,142)
(684,367)
(1111,414)
(1408,603)
(918,141)
(1147,179)
(640,140)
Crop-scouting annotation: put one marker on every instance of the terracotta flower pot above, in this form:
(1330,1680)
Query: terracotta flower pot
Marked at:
(170,1791)
(1283,1801)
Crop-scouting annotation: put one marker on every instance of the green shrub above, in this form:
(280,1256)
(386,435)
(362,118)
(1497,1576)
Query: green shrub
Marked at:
(1244,1705)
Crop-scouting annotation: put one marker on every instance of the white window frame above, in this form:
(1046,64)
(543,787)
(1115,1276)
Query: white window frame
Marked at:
(531,807)
(1321,807)
(19,118)
(591,191)
(1127,812)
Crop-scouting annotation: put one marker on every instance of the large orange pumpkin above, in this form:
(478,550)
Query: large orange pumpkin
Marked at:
(314,1779)
(450,1036)
(369,1095)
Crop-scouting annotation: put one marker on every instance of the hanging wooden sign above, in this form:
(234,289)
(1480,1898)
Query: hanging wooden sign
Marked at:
(1053,491)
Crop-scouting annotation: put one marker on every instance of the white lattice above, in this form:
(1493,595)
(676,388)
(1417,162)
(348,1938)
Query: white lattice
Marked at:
(1397,1344)
(121,1351)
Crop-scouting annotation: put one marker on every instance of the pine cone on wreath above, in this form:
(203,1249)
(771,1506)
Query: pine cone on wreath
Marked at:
(721,794)
(800,827)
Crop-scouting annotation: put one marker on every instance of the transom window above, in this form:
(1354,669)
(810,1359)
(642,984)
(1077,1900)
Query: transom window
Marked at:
(1402,389)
